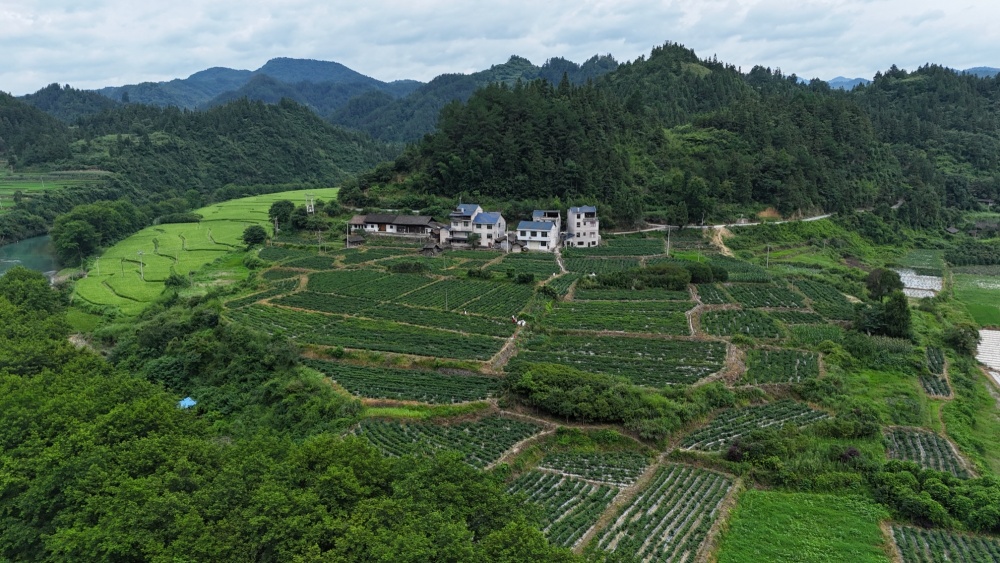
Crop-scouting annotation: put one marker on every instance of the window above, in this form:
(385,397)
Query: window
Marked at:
(534,233)
(545,234)
(465,223)
(524,233)
(544,243)
(489,228)
(480,227)
(579,243)
(578,225)
(489,236)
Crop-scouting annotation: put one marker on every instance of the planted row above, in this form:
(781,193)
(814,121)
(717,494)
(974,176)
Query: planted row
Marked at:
(738,321)
(618,294)
(615,468)
(659,317)
(926,448)
(569,507)
(404,384)
(733,423)
(826,299)
(671,518)
(481,442)
(920,545)
(757,296)
(780,366)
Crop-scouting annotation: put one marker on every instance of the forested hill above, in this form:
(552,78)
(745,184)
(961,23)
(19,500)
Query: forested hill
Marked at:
(409,118)
(170,160)
(669,134)
(675,137)
(68,104)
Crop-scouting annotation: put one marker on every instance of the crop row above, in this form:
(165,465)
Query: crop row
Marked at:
(617,294)
(658,317)
(387,288)
(277,289)
(796,317)
(826,299)
(644,361)
(313,262)
(600,265)
(926,448)
(711,294)
(671,518)
(733,423)
(403,384)
(935,385)
(736,321)
(614,468)
(935,360)
(741,271)
(569,507)
(481,442)
(326,330)
(369,254)
(542,264)
(279,274)
(281,253)
(920,545)
(625,247)
(813,335)
(504,300)
(448,294)
(562,283)
(761,295)
(339,281)
(781,366)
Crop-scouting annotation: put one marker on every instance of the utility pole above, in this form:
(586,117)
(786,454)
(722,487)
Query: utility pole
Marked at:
(668,241)
(142,276)
(767,262)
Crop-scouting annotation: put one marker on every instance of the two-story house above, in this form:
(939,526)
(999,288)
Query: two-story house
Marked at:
(550,215)
(582,227)
(538,235)
(469,218)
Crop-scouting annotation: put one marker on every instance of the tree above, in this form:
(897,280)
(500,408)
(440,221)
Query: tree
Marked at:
(963,337)
(281,211)
(73,240)
(254,235)
(896,315)
(881,282)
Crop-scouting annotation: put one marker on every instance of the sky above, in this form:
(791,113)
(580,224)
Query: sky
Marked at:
(99,43)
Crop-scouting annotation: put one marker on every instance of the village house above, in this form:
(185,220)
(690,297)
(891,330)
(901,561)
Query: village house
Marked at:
(538,235)
(470,219)
(414,226)
(550,215)
(582,227)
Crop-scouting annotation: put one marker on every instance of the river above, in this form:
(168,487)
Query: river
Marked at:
(34,253)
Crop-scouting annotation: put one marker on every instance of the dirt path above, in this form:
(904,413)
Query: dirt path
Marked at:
(518,447)
(718,240)
(892,550)
(498,361)
(559,260)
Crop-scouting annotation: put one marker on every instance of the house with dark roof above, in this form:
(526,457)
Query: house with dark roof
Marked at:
(393,225)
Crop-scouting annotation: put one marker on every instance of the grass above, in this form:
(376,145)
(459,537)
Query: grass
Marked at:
(979,294)
(33,183)
(82,321)
(114,279)
(803,528)
(424,412)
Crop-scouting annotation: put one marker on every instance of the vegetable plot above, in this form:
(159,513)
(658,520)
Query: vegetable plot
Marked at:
(780,366)
(616,294)
(644,361)
(935,383)
(569,506)
(756,296)
(826,300)
(404,384)
(614,468)
(481,442)
(749,322)
(600,265)
(659,317)
(711,294)
(919,545)
(671,518)
(926,448)
(733,423)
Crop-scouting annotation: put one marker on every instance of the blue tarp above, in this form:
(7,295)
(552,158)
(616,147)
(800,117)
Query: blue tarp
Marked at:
(186,403)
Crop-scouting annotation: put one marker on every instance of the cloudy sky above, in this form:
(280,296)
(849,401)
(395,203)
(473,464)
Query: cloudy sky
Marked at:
(98,43)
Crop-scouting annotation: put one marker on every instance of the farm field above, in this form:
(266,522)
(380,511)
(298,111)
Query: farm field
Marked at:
(979,295)
(826,299)
(733,423)
(407,384)
(624,246)
(644,361)
(33,183)
(178,248)
(749,322)
(712,294)
(760,295)
(780,527)
(926,448)
(615,294)
(658,317)
(481,442)
(935,382)
(780,366)
(569,507)
(613,468)
(669,519)
(919,545)
(586,265)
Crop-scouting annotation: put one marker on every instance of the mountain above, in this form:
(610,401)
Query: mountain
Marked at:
(415,115)
(29,136)
(69,104)
(202,88)
(982,71)
(847,83)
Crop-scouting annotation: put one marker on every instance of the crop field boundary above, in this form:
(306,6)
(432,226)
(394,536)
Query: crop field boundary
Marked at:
(892,549)
(710,547)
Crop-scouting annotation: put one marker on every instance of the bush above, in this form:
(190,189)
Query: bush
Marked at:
(524,278)
(408,268)
(700,272)
(480,274)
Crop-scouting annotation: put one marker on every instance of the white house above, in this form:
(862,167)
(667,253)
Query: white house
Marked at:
(550,215)
(538,235)
(393,225)
(469,218)
(582,227)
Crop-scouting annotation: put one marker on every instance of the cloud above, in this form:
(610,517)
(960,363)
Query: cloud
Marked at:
(113,42)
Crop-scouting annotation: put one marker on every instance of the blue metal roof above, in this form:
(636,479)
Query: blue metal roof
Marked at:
(536,226)
(540,213)
(465,209)
(583,209)
(487,218)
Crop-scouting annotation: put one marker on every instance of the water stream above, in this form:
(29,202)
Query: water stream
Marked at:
(34,253)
